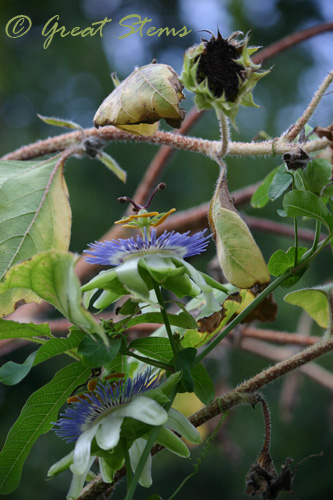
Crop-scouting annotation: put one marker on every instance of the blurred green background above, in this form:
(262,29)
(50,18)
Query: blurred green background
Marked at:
(70,79)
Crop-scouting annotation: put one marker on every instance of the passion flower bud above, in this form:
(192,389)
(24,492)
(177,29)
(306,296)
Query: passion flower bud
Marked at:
(239,256)
(146,96)
(221,74)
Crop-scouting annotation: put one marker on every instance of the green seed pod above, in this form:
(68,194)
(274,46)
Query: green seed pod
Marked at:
(239,256)
(221,74)
(146,96)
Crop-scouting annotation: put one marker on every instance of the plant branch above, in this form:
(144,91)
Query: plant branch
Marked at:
(73,139)
(290,41)
(295,129)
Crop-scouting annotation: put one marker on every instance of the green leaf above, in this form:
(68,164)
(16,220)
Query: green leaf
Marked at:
(35,419)
(260,197)
(111,163)
(153,347)
(34,210)
(315,301)
(281,261)
(183,363)
(317,175)
(182,320)
(50,275)
(59,122)
(56,346)
(95,353)
(12,373)
(280,183)
(120,364)
(203,385)
(13,330)
(306,204)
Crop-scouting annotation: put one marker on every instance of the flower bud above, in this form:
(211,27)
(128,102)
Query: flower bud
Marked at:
(221,74)
(239,256)
(146,96)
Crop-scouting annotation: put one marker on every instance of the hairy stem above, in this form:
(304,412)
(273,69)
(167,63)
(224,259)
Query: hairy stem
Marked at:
(295,130)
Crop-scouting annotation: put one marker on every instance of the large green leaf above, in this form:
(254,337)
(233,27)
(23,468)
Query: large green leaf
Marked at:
(317,175)
(12,373)
(50,275)
(307,204)
(34,210)
(34,216)
(315,301)
(13,330)
(36,418)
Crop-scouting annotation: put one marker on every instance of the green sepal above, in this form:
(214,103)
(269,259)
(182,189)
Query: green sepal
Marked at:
(169,440)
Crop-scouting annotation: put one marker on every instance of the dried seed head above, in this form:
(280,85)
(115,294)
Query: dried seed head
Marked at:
(221,74)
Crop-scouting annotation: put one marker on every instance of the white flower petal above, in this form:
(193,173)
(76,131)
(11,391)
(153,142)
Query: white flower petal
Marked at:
(144,409)
(82,450)
(78,481)
(179,423)
(108,433)
(129,276)
(106,471)
(135,453)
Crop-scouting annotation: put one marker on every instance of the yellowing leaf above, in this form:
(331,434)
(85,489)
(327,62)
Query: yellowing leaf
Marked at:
(34,210)
(315,301)
(240,258)
(146,96)
(50,275)
(35,216)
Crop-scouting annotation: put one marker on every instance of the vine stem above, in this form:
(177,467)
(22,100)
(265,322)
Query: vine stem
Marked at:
(150,361)
(241,316)
(317,236)
(203,146)
(165,318)
(224,127)
(150,443)
(260,380)
(295,129)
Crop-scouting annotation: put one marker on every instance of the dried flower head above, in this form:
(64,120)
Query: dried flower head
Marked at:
(221,74)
